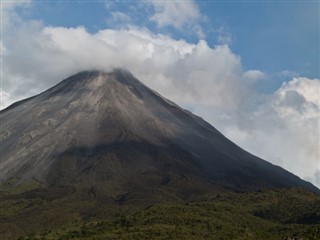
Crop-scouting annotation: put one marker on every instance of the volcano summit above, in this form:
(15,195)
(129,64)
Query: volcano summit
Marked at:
(111,133)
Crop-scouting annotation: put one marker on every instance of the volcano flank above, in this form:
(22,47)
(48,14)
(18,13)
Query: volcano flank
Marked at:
(111,133)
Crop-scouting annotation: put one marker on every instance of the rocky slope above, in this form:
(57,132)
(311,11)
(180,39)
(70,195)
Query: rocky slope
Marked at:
(109,133)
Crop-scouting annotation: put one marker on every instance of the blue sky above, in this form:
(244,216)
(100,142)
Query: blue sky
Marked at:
(250,68)
(272,36)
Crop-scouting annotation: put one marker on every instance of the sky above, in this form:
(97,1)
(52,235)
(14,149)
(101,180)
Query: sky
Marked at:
(250,68)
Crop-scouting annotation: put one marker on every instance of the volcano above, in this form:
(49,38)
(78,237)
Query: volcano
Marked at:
(111,134)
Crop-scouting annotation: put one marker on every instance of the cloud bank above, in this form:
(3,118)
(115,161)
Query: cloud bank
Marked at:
(281,127)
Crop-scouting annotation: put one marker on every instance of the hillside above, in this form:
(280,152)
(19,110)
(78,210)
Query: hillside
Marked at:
(264,214)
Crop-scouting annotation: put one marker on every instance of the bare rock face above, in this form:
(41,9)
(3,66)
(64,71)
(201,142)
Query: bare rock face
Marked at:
(108,131)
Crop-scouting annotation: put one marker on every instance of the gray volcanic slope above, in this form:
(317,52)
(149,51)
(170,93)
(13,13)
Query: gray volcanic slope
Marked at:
(109,130)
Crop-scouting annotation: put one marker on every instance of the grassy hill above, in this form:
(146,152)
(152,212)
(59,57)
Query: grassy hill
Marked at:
(263,214)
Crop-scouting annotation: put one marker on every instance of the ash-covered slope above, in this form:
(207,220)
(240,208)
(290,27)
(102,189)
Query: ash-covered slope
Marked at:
(108,131)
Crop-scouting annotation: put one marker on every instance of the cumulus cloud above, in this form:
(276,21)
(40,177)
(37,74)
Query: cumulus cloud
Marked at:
(285,128)
(281,127)
(309,89)
(182,71)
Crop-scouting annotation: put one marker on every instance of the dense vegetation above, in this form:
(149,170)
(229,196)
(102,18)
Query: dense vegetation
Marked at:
(277,214)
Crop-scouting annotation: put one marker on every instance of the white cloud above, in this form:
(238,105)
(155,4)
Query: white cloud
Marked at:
(4,99)
(109,4)
(288,73)
(285,129)
(121,17)
(189,71)
(282,127)
(309,89)
(224,36)
(224,39)
(177,14)
(11,5)
(317,177)
(9,16)
(253,76)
